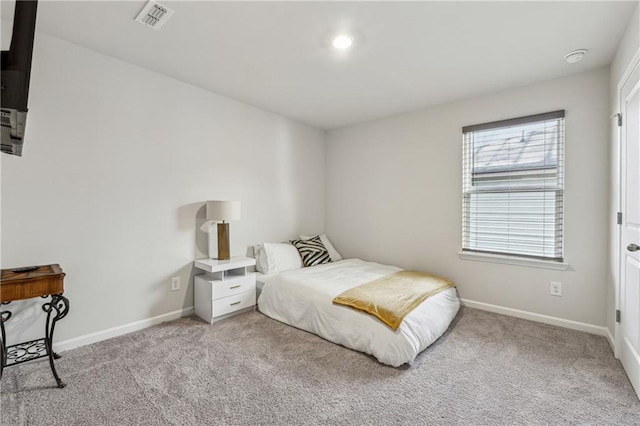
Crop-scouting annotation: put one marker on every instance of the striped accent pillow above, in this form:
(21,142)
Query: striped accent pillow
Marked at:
(312,251)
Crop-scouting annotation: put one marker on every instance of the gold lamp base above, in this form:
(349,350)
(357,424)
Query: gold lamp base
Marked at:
(223,242)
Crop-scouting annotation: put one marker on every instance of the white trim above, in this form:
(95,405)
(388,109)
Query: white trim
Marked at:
(109,333)
(617,337)
(627,73)
(513,260)
(532,316)
(611,340)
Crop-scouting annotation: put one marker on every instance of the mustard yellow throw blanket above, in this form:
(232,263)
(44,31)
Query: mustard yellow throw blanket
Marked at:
(392,297)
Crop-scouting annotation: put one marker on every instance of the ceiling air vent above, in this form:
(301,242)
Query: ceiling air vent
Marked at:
(154,15)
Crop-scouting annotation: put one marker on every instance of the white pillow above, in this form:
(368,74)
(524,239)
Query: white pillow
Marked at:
(333,253)
(273,258)
(261,258)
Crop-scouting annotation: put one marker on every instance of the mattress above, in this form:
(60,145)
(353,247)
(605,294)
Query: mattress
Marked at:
(261,280)
(303,299)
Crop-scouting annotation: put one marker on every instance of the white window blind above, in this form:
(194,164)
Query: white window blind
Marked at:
(513,181)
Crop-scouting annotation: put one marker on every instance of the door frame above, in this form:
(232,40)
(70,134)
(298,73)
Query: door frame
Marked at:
(617,336)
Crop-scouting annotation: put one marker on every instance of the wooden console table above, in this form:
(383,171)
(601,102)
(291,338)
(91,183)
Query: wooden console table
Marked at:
(26,283)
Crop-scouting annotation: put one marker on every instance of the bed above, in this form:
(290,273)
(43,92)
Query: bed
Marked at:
(303,299)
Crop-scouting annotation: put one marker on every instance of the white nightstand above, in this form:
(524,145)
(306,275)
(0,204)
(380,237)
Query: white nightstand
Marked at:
(225,289)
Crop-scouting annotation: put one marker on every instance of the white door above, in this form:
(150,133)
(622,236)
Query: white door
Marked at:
(630,232)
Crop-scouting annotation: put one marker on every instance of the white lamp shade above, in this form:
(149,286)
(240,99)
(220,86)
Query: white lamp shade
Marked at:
(223,210)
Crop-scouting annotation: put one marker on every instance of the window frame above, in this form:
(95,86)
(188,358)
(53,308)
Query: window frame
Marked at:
(472,252)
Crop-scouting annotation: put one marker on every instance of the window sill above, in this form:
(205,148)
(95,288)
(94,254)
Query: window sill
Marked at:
(513,260)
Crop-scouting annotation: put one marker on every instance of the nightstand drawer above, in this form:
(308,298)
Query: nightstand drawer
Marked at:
(233,286)
(234,303)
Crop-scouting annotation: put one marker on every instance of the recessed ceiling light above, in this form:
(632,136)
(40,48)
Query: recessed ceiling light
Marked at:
(342,42)
(575,56)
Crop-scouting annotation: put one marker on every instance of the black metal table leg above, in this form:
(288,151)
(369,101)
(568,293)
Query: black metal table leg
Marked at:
(59,306)
(4,316)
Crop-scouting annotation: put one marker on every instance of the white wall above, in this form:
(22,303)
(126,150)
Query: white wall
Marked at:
(628,47)
(393,195)
(116,166)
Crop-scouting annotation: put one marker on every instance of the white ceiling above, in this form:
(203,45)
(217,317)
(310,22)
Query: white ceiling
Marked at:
(406,56)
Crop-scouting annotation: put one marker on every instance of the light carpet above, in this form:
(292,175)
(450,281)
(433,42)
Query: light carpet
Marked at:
(249,369)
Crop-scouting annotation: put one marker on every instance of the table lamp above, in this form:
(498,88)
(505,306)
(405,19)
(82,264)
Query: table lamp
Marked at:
(223,211)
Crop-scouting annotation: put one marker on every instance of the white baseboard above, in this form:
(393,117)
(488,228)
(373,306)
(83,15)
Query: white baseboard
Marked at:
(611,340)
(98,336)
(532,316)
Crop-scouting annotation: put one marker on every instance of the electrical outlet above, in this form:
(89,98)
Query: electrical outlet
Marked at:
(175,283)
(556,289)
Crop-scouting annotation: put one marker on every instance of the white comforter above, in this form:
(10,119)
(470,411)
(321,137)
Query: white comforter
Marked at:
(303,298)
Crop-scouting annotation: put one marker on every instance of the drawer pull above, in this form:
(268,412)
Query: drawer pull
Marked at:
(235,286)
(236,303)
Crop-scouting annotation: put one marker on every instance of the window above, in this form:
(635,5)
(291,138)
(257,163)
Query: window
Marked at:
(513,180)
